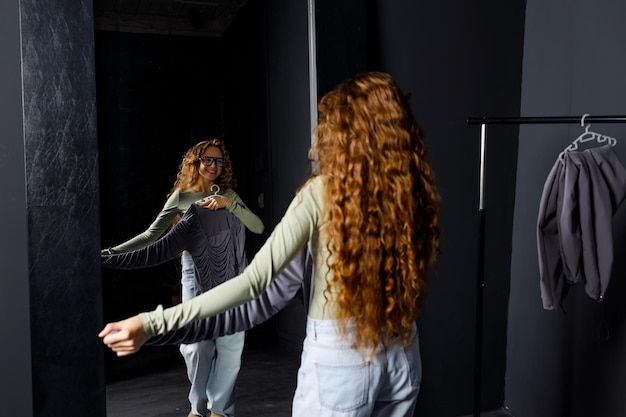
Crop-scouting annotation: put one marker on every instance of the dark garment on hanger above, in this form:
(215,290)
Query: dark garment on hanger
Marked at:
(215,239)
(574,226)
(197,231)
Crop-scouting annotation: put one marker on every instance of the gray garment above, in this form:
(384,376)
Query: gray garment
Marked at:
(189,234)
(215,239)
(574,226)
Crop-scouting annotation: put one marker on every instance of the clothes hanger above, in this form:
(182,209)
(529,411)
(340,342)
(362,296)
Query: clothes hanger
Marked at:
(587,136)
(214,195)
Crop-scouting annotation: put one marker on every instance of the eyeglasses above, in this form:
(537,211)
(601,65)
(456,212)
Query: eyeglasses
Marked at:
(208,161)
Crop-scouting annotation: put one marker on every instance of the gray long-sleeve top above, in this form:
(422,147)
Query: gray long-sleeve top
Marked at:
(574,226)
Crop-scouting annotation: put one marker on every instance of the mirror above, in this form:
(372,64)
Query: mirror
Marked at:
(170,73)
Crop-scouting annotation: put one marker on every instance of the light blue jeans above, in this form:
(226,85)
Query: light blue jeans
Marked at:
(212,365)
(335,380)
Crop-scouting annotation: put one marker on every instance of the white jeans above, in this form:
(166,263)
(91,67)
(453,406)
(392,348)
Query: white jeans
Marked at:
(212,365)
(335,380)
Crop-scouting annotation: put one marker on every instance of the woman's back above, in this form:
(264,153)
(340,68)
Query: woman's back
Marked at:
(380,207)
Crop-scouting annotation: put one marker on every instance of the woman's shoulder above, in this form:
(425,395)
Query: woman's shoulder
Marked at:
(189,192)
(314,184)
(230,193)
(184,198)
(311,192)
(186,191)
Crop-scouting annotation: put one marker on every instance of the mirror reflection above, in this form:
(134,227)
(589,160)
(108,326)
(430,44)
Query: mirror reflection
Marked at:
(171,74)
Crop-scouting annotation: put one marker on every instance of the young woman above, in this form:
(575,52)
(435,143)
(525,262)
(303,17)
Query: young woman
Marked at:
(212,365)
(371,222)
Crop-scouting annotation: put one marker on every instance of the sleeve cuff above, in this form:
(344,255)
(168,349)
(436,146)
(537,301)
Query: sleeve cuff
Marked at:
(153,322)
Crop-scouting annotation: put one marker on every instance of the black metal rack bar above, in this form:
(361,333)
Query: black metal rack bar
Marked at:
(543,120)
(482,214)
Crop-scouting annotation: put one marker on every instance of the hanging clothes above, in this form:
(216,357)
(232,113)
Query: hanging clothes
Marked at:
(574,226)
(200,231)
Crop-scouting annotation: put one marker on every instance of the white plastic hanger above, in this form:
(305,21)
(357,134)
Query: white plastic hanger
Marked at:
(587,136)
(214,195)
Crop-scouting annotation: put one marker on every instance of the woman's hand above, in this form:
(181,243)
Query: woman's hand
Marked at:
(215,203)
(124,337)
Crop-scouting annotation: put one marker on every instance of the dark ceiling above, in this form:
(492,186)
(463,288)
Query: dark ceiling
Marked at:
(169,17)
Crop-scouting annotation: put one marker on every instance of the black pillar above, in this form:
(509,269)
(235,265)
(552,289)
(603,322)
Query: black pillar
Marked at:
(50,291)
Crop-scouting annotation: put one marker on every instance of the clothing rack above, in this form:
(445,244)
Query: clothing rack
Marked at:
(480,281)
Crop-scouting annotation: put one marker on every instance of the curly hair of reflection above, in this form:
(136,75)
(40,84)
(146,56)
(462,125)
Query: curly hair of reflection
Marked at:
(187,177)
(381,206)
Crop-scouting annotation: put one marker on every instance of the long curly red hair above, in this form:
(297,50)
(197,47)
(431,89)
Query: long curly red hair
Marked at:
(381,207)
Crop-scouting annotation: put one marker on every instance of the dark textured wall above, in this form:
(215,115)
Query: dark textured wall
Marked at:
(60,176)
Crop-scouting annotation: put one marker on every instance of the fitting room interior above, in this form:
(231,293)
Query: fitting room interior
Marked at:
(155,383)
(102,97)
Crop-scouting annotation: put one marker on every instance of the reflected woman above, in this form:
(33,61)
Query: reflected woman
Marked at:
(212,365)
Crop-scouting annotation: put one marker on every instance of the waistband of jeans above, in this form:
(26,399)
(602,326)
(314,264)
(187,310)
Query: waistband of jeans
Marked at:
(327,327)
(330,328)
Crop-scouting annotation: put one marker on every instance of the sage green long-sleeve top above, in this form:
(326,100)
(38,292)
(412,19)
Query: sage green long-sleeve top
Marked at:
(177,204)
(300,226)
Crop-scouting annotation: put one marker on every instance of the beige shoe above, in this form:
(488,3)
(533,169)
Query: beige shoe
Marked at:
(215,414)
(192,415)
